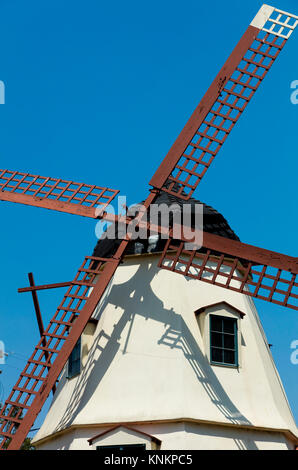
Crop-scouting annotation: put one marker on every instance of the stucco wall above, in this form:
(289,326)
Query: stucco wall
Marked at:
(149,361)
(178,436)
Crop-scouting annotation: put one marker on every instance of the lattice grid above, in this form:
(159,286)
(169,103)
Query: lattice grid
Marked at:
(35,373)
(240,275)
(281,23)
(46,188)
(223,114)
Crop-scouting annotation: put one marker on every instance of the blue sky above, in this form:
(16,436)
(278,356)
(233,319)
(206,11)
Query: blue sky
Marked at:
(97,92)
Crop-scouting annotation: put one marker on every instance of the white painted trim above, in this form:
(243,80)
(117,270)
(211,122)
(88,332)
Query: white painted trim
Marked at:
(184,419)
(204,324)
(264,15)
(286,13)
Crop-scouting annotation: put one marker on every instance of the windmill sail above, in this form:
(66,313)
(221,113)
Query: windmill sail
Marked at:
(56,194)
(221,107)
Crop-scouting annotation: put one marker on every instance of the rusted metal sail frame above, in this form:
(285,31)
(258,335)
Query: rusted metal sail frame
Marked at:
(222,100)
(43,287)
(214,118)
(38,315)
(52,351)
(263,274)
(57,194)
(243,268)
(241,254)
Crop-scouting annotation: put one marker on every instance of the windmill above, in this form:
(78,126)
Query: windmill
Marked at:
(221,262)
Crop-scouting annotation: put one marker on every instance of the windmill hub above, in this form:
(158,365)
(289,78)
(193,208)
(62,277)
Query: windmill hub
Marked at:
(213,222)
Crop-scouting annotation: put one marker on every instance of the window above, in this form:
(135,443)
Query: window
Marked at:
(223,340)
(124,447)
(74,361)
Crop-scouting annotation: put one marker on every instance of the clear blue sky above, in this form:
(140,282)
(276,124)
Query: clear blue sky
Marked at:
(97,92)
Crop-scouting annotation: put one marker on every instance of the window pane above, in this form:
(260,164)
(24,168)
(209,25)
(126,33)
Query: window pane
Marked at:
(74,368)
(74,361)
(216,323)
(229,341)
(76,353)
(229,357)
(228,325)
(216,339)
(216,355)
(223,340)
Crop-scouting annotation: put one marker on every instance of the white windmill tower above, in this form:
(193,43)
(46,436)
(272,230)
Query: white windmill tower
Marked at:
(157,360)
(169,362)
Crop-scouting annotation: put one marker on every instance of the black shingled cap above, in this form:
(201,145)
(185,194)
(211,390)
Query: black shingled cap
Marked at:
(213,222)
